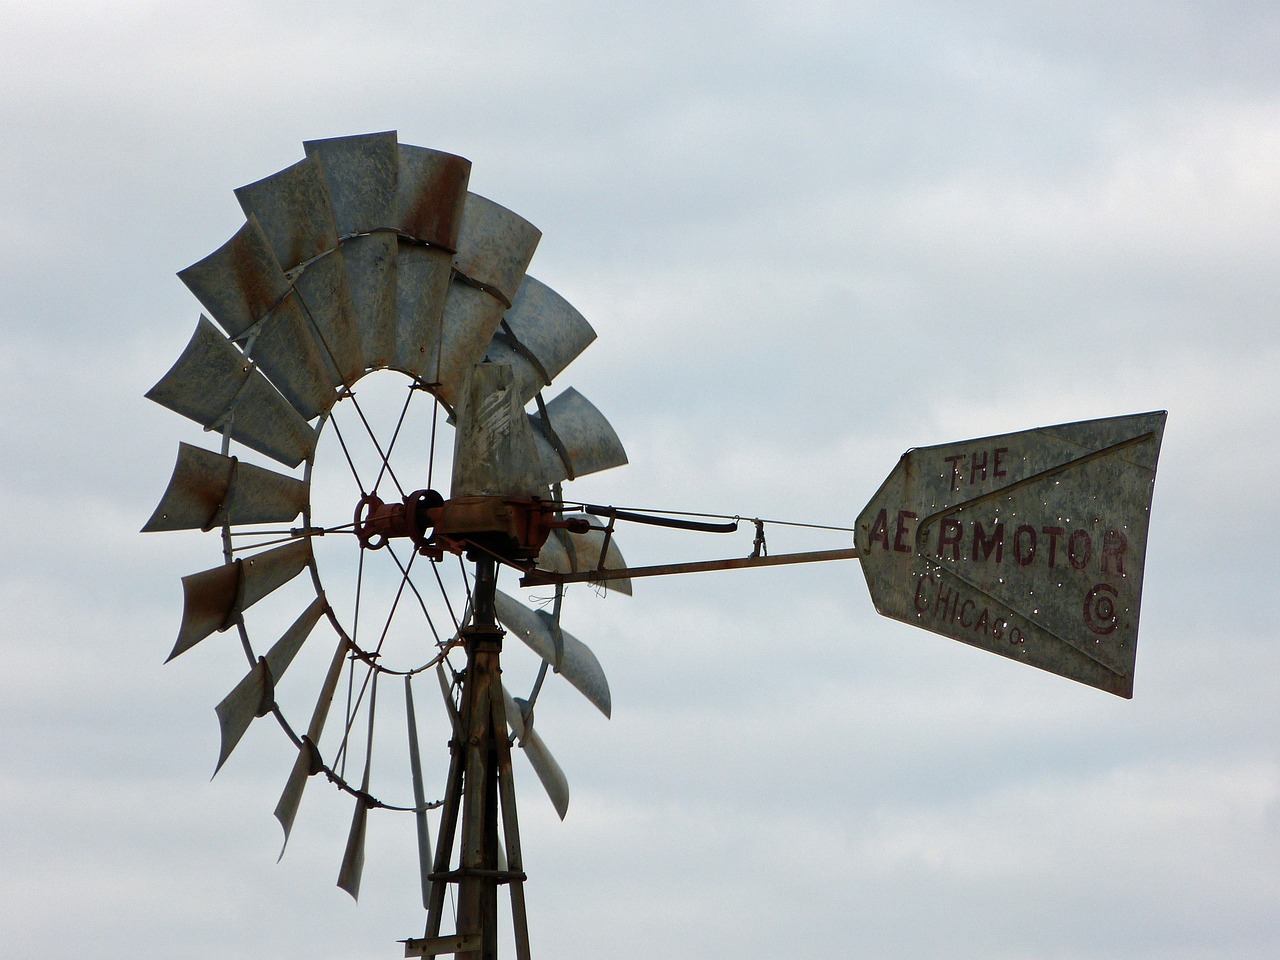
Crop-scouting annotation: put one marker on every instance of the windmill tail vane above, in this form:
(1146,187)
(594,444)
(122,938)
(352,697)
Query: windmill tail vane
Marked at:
(368,303)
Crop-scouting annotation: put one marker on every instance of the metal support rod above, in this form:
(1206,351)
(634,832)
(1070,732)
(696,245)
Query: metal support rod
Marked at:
(537,578)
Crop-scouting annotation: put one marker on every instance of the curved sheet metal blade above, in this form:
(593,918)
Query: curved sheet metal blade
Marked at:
(217,386)
(240,282)
(576,662)
(494,249)
(245,291)
(425,859)
(566,552)
(207,488)
(432,192)
(296,214)
(254,695)
(575,430)
(308,759)
(295,211)
(362,174)
(540,335)
(325,296)
(422,284)
(213,598)
(544,764)
(352,868)
(493,448)
(353,857)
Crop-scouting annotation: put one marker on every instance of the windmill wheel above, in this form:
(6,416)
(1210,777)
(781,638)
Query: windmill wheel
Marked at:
(373,313)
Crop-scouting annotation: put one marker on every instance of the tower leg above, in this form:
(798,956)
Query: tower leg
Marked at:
(480,790)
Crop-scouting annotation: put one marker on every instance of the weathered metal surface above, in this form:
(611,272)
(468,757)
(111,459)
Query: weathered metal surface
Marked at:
(540,335)
(295,211)
(431,197)
(307,762)
(535,750)
(567,553)
(494,248)
(254,695)
(362,174)
(494,453)
(215,385)
(425,857)
(1030,545)
(212,598)
(246,292)
(240,282)
(584,436)
(610,574)
(207,488)
(322,290)
(571,658)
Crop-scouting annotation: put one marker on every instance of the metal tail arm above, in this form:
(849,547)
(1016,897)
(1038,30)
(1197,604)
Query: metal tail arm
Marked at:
(536,578)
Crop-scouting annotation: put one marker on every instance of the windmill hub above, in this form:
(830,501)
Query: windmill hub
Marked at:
(502,528)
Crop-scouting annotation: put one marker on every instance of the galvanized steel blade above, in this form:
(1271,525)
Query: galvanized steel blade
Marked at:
(217,386)
(425,858)
(254,695)
(574,429)
(207,488)
(308,762)
(352,868)
(494,248)
(566,552)
(573,659)
(1030,545)
(295,212)
(240,282)
(535,750)
(432,194)
(213,598)
(362,174)
(493,448)
(540,335)
(432,191)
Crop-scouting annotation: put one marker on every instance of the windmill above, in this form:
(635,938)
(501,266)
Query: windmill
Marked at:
(369,261)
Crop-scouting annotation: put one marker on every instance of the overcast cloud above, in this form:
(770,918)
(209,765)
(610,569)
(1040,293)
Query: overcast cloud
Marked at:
(809,236)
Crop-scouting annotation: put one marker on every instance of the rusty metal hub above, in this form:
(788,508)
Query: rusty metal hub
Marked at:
(510,530)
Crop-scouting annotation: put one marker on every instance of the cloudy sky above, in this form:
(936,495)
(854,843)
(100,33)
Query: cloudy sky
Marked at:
(809,236)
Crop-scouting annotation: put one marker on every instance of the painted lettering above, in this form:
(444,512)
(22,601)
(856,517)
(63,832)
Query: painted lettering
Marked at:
(1080,549)
(1053,533)
(977,466)
(900,534)
(1025,555)
(1114,545)
(955,462)
(880,529)
(984,545)
(997,469)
